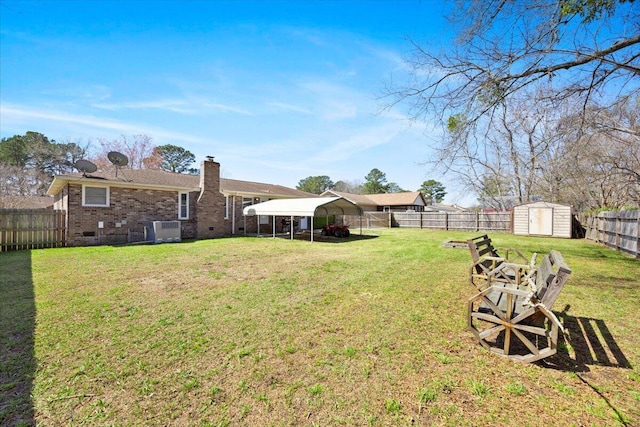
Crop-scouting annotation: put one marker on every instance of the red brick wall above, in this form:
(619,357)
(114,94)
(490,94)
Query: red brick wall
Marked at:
(124,220)
(240,224)
(210,204)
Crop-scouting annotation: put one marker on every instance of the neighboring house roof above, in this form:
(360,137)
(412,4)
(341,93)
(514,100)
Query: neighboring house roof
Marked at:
(359,199)
(385,199)
(398,199)
(448,208)
(159,179)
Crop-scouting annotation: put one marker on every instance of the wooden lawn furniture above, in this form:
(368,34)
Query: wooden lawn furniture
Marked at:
(512,317)
(488,265)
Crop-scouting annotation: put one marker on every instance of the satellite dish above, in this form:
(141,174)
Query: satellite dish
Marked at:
(85,166)
(117,159)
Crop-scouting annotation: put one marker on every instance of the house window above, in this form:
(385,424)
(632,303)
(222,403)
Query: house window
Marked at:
(95,196)
(183,205)
(246,201)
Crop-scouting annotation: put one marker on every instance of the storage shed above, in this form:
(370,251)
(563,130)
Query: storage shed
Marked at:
(542,219)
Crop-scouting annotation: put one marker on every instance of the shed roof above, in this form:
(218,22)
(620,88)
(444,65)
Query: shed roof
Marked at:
(541,205)
(311,206)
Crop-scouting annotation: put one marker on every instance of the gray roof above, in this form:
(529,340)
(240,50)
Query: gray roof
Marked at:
(155,178)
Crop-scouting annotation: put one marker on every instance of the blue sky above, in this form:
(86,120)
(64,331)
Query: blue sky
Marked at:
(276,91)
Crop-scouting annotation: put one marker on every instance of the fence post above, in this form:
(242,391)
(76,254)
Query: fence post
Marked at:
(511,219)
(638,236)
(618,232)
(477,221)
(598,228)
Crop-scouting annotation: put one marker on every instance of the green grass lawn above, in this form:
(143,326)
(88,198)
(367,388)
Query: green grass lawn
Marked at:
(262,331)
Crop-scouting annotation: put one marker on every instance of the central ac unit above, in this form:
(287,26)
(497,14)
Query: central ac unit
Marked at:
(163,231)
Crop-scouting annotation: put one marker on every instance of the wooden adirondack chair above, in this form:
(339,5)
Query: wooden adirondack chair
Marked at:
(489,266)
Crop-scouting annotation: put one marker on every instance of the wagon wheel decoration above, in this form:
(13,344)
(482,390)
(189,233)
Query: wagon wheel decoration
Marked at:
(503,326)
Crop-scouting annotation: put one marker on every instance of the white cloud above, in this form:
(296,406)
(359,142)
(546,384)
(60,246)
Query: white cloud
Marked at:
(168,105)
(16,116)
(181,106)
(82,92)
(225,108)
(289,107)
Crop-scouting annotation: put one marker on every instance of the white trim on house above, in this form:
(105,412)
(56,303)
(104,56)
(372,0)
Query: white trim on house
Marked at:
(60,181)
(97,205)
(183,205)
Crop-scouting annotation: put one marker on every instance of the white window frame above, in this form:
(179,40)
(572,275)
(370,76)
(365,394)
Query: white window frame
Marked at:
(226,207)
(264,219)
(180,205)
(107,196)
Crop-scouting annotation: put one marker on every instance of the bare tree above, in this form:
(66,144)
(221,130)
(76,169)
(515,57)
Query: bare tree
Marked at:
(498,90)
(140,152)
(353,187)
(502,156)
(580,48)
(599,166)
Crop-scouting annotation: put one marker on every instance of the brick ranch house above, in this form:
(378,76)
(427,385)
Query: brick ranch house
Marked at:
(102,208)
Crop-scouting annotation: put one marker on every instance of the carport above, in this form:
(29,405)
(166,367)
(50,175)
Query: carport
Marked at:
(306,207)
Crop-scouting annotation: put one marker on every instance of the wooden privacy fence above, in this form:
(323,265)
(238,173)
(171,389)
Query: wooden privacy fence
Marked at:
(617,230)
(464,221)
(369,220)
(31,229)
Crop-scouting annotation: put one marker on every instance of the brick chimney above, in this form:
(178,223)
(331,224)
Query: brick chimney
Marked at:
(210,207)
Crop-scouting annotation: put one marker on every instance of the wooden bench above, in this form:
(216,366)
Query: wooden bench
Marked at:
(487,260)
(516,320)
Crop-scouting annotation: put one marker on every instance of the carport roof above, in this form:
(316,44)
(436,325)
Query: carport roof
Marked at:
(315,206)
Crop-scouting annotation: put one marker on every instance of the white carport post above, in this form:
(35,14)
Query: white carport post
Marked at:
(291,228)
(274,226)
(311,227)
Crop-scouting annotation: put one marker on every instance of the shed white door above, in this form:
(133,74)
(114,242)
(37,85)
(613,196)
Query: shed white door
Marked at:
(541,221)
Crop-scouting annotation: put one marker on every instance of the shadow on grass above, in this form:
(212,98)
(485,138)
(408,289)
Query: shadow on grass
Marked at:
(591,342)
(304,236)
(17,325)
